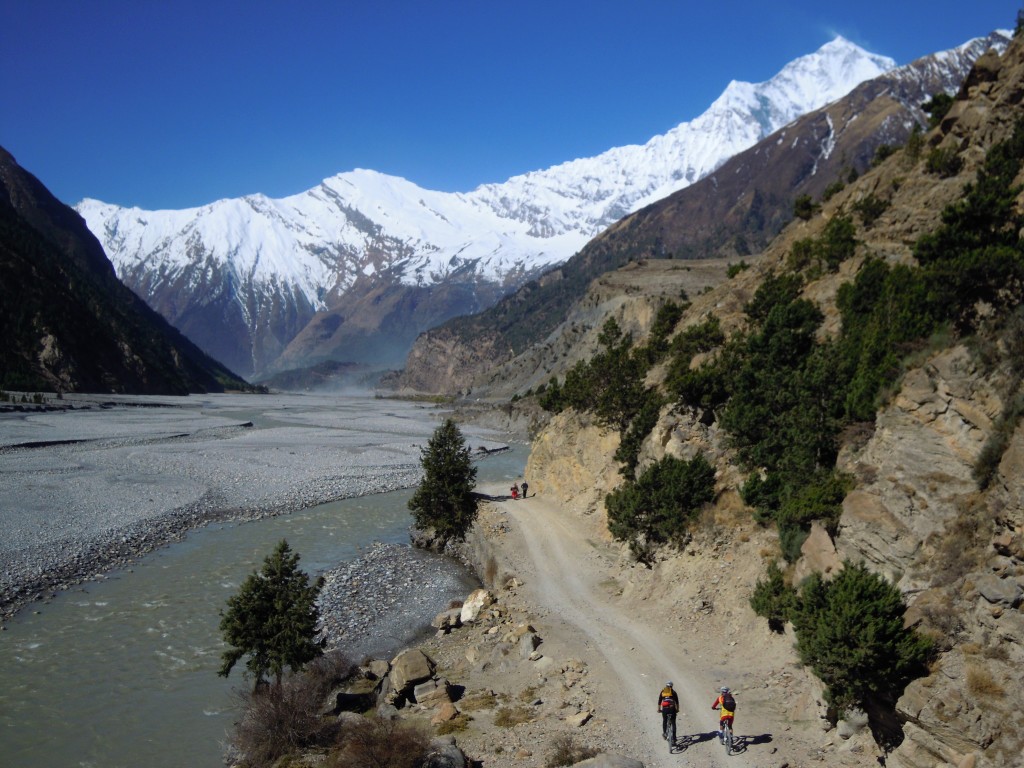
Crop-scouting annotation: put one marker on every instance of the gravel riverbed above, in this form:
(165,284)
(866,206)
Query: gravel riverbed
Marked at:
(93,488)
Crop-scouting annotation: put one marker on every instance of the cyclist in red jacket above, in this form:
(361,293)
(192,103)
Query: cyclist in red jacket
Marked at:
(726,702)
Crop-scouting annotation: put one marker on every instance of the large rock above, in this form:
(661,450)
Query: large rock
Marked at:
(432,692)
(1005,592)
(410,667)
(443,752)
(476,602)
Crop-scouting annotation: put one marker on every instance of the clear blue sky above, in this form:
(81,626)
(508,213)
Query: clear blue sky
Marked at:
(171,104)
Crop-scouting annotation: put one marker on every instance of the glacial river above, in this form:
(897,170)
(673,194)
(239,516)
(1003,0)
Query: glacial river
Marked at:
(122,672)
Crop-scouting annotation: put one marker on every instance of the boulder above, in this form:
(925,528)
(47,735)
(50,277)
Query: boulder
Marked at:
(444,713)
(447,620)
(854,721)
(375,669)
(475,603)
(528,644)
(1004,592)
(432,693)
(580,718)
(443,752)
(410,667)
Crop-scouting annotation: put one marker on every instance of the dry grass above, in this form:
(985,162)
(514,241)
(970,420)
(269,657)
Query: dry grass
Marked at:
(282,721)
(375,743)
(478,701)
(509,717)
(981,684)
(458,723)
(566,751)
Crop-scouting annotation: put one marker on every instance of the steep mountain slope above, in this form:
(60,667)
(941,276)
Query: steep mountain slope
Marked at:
(67,323)
(936,471)
(732,212)
(244,277)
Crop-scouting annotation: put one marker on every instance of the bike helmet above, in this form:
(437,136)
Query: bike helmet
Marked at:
(668,684)
(724,689)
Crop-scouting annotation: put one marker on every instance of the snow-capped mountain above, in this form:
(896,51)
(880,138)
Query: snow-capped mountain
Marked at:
(243,277)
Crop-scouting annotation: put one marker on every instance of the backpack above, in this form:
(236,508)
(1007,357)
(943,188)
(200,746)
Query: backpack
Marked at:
(728,702)
(668,704)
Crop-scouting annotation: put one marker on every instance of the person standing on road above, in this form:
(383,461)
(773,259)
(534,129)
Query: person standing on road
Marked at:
(668,705)
(525,486)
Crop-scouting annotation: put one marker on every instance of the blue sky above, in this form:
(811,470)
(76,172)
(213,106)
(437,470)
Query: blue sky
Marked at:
(166,104)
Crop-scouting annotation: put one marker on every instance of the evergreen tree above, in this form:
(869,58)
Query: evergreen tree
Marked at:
(444,500)
(272,619)
(851,632)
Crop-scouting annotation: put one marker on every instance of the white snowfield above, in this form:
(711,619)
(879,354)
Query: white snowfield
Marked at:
(363,222)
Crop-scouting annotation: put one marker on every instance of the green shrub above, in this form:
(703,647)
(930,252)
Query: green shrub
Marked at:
(773,600)
(658,505)
(869,208)
(833,189)
(735,269)
(943,162)
(804,207)
(882,152)
(937,107)
(850,631)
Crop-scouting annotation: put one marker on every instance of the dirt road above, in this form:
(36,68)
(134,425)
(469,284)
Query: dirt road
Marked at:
(565,574)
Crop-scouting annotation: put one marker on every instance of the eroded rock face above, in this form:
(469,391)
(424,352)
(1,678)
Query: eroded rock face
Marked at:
(572,461)
(917,468)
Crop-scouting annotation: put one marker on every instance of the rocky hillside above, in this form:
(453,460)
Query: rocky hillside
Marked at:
(68,323)
(935,500)
(731,213)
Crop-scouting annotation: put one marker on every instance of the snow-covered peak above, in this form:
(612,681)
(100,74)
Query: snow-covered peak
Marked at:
(530,220)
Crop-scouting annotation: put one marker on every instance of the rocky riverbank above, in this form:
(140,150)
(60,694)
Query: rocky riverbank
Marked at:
(387,598)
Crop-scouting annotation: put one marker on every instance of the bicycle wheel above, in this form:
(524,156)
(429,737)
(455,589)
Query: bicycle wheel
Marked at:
(670,734)
(727,738)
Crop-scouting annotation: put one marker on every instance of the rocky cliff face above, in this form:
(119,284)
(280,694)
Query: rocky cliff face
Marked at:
(918,514)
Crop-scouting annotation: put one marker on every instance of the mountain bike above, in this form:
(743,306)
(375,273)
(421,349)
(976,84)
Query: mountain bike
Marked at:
(727,737)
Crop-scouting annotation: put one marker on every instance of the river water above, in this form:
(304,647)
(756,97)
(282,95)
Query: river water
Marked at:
(122,672)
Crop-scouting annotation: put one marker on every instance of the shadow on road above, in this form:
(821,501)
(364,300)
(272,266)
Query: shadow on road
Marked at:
(686,741)
(740,743)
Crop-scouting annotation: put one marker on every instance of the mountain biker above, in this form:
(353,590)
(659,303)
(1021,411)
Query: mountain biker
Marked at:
(668,705)
(727,703)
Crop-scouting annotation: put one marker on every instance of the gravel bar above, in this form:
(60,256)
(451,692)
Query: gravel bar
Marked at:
(94,488)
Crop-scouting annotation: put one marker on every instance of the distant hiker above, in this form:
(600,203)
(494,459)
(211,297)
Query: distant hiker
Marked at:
(668,705)
(525,486)
(515,491)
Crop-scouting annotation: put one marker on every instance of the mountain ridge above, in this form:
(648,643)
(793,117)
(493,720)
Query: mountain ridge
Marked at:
(68,323)
(263,268)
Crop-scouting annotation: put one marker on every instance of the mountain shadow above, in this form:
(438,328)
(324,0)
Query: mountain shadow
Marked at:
(67,323)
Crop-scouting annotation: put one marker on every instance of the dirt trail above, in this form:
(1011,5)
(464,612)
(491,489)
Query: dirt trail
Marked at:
(565,574)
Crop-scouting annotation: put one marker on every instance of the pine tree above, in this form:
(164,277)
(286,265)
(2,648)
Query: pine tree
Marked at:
(851,632)
(444,500)
(272,619)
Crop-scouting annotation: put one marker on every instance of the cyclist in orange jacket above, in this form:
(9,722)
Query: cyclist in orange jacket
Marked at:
(726,702)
